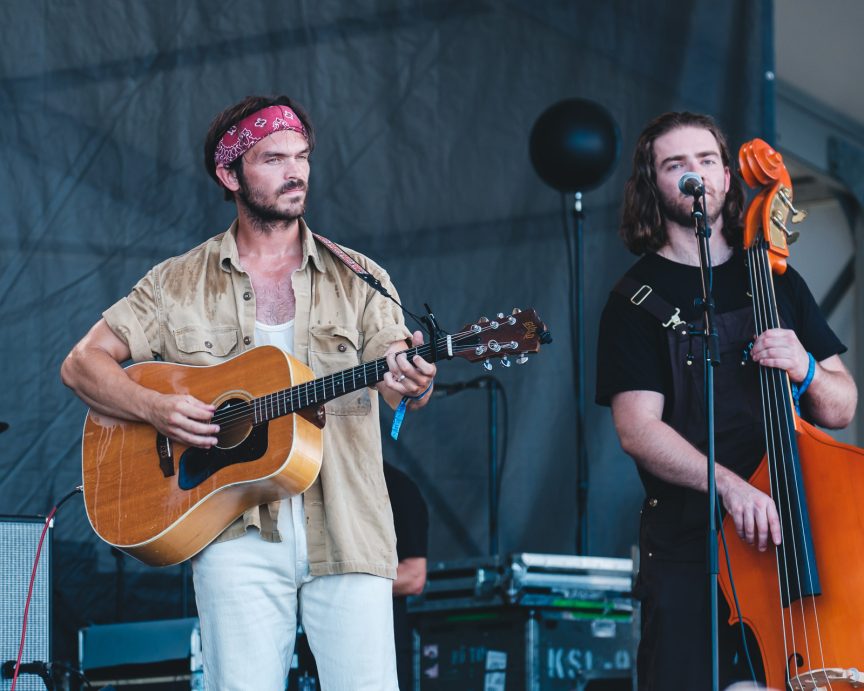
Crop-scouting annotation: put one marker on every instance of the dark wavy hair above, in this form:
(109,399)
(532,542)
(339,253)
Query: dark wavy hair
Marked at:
(234,114)
(642,227)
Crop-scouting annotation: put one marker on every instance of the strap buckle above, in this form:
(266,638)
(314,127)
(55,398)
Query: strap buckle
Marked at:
(674,321)
(640,295)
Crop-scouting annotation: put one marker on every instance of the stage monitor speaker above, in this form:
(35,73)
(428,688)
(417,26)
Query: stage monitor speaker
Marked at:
(19,539)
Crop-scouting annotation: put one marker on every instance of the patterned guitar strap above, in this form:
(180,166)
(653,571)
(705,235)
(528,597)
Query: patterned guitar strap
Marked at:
(361,273)
(368,278)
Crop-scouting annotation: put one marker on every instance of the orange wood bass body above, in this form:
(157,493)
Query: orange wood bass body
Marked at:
(826,631)
(162,502)
(804,600)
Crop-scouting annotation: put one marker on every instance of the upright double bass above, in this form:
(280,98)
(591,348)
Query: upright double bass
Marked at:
(803,601)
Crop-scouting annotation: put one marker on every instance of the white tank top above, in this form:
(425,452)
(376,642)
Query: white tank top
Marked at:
(282,336)
(279,335)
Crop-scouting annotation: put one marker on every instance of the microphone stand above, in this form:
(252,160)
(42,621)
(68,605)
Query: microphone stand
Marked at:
(492,386)
(579,374)
(711,353)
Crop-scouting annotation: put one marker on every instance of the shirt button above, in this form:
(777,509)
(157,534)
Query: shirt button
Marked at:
(652,502)
(208,344)
(247,295)
(342,348)
(247,340)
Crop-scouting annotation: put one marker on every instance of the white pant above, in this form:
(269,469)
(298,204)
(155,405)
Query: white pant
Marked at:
(248,591)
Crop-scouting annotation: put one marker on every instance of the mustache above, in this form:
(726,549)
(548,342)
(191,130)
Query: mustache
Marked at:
(292,185)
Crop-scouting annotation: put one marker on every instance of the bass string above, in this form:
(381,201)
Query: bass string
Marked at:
(779,409)
(758,297)
(778,421)
(783,387)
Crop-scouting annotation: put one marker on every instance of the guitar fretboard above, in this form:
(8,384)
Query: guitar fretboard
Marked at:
(319,391)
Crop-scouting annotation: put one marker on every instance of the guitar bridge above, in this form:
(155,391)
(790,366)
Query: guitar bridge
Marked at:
(166,456)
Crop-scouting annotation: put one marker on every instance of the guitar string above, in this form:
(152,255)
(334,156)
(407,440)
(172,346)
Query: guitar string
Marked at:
(783,383)
(779,385)
(275,401)
(311,390)
(245,413)
(241,412)
(226,416)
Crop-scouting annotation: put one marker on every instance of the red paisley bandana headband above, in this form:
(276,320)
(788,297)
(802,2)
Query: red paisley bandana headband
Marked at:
(252,129)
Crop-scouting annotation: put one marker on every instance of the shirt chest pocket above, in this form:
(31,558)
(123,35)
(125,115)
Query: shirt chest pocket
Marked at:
(333,348)
(205,345)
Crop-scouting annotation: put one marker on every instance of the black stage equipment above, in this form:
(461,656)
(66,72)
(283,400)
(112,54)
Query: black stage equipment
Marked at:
(532,622)
(161,654)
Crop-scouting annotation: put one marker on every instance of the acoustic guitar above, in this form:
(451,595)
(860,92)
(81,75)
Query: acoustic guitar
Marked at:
(162,502)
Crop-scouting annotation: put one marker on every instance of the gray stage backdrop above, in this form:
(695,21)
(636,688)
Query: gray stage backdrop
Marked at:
(423,111)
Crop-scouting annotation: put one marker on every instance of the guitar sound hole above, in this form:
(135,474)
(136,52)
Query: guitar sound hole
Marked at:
(235,418)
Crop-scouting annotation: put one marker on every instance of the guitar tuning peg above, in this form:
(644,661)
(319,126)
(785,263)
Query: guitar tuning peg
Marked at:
(483,320)
(487,365)
(515,310)
(505,361)
(522,359)
(500,315)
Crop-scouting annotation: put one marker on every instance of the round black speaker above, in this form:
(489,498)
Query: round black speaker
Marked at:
(574,145)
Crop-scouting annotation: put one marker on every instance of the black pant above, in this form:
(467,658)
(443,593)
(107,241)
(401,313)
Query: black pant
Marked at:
(675,648)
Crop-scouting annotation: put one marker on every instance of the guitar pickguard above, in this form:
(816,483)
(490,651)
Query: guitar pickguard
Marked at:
(196,465)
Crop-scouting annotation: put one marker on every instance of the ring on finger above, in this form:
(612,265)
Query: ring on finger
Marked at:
(401,377)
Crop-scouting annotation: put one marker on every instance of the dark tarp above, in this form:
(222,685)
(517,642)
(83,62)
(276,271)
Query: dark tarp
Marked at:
(423,111)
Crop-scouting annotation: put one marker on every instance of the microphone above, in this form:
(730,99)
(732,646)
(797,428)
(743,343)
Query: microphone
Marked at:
(691,185)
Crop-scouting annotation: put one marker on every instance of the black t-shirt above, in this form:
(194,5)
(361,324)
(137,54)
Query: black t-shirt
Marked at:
(632,350)
(634,355)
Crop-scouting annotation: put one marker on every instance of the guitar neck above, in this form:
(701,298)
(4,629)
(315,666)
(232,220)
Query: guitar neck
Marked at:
(319,391)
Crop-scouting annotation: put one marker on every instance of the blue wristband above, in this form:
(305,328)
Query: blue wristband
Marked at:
(799,389)
(399,415)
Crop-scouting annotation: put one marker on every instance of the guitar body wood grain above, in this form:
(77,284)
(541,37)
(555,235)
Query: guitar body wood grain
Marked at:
(133,506)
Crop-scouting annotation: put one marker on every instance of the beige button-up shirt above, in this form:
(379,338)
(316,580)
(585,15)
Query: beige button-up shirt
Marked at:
(199,309)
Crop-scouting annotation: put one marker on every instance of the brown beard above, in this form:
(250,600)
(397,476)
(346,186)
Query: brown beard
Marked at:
(263,213)
(675,211)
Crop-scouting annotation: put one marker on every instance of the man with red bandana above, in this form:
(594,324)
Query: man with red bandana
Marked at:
(650,372)
(327,557)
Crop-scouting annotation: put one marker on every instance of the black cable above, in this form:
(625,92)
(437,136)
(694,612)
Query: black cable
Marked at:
(735,596)
(78,490)
(74,671)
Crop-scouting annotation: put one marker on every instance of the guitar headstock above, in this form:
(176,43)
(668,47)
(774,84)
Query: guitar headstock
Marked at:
(516,334)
